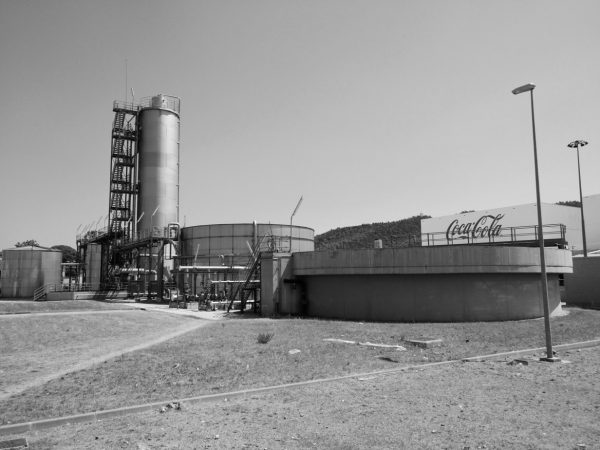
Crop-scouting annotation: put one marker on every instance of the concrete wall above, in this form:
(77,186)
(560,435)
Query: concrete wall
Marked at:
(583,285)
(445,284)
(429,298)
(431,260)
(591,211)
(279,294)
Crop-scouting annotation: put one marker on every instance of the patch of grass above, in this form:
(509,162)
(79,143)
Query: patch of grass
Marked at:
(264,338)
(29,306)
(34,346)
(220,358)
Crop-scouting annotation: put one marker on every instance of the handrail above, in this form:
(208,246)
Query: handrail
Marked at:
(504,235)
(75,287)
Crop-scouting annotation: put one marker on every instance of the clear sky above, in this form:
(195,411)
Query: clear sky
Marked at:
(373,110)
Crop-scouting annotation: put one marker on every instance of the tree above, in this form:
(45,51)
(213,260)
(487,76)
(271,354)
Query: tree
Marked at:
(69,254)
(29,243)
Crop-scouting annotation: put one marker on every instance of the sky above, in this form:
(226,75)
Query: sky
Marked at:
(371,110)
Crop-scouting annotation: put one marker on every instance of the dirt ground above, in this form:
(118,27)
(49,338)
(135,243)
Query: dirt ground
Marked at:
(464,405)
(474,405)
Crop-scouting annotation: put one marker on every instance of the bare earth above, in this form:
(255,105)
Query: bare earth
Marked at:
(474,405)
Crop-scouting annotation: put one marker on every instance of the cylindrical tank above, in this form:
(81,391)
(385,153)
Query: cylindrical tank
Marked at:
(158,165)
(93,264)
(229,244)
(27,268)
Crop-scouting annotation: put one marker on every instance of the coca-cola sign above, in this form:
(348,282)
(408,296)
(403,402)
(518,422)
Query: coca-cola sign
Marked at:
(485,227)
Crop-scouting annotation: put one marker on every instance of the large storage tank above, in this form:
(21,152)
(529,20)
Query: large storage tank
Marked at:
(209,245)
(27,268)
(158,147)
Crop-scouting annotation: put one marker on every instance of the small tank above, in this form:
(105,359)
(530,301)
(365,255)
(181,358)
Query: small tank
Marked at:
(27,268)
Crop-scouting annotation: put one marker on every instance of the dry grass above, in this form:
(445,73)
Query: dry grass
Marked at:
(483,405)
(34,346)
(226,356)
(28,306)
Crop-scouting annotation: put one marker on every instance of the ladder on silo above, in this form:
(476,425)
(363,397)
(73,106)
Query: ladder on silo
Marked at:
(122,185)
(122,172)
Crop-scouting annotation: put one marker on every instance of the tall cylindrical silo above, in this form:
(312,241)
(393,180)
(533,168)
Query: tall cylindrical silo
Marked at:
(158,165)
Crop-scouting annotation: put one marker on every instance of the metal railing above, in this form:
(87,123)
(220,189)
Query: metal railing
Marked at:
(161,101)
(503,236)
(127,106)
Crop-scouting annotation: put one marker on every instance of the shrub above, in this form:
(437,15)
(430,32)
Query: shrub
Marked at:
(263,338)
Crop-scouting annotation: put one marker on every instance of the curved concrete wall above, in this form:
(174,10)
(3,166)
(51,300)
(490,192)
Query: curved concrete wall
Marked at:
(443,284)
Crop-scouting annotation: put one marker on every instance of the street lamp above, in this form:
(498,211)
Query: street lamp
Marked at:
(549,353)
(577,144)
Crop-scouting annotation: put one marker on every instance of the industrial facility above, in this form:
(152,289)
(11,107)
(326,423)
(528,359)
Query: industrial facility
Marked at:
(144,248)
(144,253)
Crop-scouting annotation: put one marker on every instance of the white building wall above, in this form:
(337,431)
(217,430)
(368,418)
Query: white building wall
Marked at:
(591,212)
(499,221)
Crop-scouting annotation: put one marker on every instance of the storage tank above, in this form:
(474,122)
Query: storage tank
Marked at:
(93,264)
(230,243)
(158,164)
(27,268)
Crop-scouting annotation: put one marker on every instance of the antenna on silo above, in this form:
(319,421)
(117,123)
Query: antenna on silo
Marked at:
(292,217)
(125,80)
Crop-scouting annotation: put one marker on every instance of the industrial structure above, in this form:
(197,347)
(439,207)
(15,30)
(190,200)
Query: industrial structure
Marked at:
(144,253)
(143,246)
(143,211)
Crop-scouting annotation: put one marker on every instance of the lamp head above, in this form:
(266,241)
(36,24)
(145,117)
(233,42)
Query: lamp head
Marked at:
(525,88)
(577,144)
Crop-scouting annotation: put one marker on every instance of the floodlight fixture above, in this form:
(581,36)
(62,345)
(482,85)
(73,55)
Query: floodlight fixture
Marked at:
(576,144)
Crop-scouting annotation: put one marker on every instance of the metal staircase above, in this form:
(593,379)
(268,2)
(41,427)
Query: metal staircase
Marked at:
(251,281)
(122,187)
(122,172)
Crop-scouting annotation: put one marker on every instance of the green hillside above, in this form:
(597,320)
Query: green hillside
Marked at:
(400,233)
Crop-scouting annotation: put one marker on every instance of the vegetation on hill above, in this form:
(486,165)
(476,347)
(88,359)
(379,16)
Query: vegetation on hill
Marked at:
(575,203)
(400,233)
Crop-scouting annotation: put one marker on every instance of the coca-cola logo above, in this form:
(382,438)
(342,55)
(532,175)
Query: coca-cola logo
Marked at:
(485,227)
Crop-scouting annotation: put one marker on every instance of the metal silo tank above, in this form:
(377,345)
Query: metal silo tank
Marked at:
(158,147)
(27,268)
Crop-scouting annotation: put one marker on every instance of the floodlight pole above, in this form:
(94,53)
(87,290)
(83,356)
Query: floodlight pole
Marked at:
(549,353)
(577,144)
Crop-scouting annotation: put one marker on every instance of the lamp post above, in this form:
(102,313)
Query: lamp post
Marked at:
(576,144)
(549,353)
